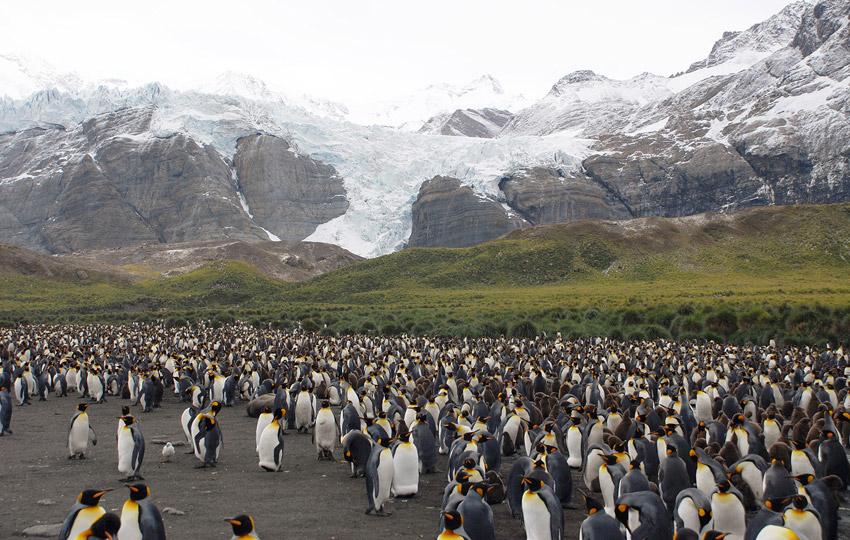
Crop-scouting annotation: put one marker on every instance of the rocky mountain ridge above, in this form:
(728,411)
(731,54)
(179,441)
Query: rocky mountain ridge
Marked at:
(762,120)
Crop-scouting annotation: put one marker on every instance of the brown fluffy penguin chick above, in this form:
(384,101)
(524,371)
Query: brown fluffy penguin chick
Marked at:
(814,404)
(797,414)
(779,451)
(729,453)
(723,419)
(787,409)
(749,500)
(565,389)
(622,430)
(496,489)
(801,430)
(815,431)
(611,440)
(700,443)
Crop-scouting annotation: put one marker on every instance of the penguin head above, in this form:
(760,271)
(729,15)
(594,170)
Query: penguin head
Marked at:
(106,526)
(91,497)
(672,450)
(453,520)
(621,512)
(714,535)
(532,484)
(804,479)
(139,492)
(593,505)
(128,420)
(724,486)
(798,501)
(242,524)
(215,406)
(609,459)
(278,413)
(82,407)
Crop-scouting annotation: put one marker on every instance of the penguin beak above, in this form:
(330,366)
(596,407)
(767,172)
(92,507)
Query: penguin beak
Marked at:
(233,522)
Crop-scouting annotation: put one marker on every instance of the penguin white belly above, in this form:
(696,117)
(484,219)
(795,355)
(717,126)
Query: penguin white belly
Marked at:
(78,437)
(262,421)
(606,486)
(771,433)
(268,442)
(84,520)
(130,522)
(303,411)
(125,451)
(95,388)
(728,514)
(591,470)
(536,518)
(325,431)
(805,524)
(218,389)
(19,390)
(754,478)
(574,447)
(385,477)
(775,532)
(800,464)
(689,514)
(405,470)
(184,423)
(705,480)
(743,441)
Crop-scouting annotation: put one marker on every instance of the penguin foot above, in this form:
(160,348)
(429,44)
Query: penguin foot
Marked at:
(82,456)
(71,457)
(383,513)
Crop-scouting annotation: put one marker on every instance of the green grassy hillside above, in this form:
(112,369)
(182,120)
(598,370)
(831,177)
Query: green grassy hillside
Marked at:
(754,275)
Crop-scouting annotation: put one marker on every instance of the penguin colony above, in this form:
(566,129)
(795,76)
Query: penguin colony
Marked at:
(661,440)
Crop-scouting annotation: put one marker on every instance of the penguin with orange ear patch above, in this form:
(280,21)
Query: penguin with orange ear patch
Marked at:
(598,525)
(5,410)
(243,527)
(140,518)
(83,514)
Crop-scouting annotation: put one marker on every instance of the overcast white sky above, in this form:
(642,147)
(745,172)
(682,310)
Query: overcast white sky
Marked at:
(351,50)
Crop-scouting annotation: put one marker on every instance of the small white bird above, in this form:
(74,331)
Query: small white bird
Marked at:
(168,451)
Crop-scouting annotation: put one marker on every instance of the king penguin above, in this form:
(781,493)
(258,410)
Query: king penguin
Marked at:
(140,518)
(324,432)
(78,433)
(542,514)
(598,525)
(131,449)
(405,467)
(727,511)
(243,527)
(106,527)
(5,411)
(379,477)
(270,448)
(82,514)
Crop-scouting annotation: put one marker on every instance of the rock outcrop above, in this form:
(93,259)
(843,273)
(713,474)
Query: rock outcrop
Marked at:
(288,194)
(484,123)
(110,183)
(447,214)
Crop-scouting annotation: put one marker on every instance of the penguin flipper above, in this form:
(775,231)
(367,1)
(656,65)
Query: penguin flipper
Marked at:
(93,436)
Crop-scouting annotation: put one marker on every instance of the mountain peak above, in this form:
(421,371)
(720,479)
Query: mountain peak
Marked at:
(234,83)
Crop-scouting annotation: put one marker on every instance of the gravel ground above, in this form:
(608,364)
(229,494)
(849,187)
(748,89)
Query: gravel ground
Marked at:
(309,499)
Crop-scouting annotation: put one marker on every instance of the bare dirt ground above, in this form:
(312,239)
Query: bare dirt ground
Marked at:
(309,499)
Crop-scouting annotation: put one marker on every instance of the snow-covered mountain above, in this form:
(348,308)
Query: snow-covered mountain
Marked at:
(762,120)
(410,113)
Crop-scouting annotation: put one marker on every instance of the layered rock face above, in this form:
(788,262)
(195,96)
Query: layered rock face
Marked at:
(110,183)
(447,214)
(774,133)
(289,195)
(484,123)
